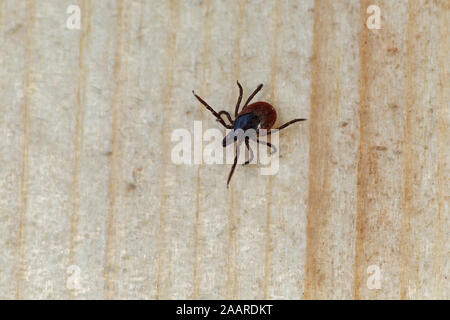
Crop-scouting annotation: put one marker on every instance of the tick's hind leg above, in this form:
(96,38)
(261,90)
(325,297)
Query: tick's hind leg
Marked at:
(285,125)
(212,111)
(247,144)
(266,143)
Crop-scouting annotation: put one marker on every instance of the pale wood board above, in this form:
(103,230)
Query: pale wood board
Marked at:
(88,191)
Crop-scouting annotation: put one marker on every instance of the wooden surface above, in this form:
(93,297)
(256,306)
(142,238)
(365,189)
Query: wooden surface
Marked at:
(91,205)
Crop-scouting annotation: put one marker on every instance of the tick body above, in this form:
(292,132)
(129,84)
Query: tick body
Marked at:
(265,113)
(253,117)
(256,116)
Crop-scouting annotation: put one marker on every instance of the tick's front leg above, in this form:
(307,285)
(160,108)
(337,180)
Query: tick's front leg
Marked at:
(203,102)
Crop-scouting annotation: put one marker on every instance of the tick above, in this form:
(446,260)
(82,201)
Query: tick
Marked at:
(255,116)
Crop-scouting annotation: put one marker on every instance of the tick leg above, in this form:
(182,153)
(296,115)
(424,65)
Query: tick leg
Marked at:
(236,110)
(253,94)
(285,125)
(236,155)
(212,111)
(271,146)
(228,116)
(247,144)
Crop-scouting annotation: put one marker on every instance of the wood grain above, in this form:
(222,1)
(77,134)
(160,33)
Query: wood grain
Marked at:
(92,206)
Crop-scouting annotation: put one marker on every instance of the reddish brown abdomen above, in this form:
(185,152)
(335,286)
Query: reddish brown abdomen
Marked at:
(264,111)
